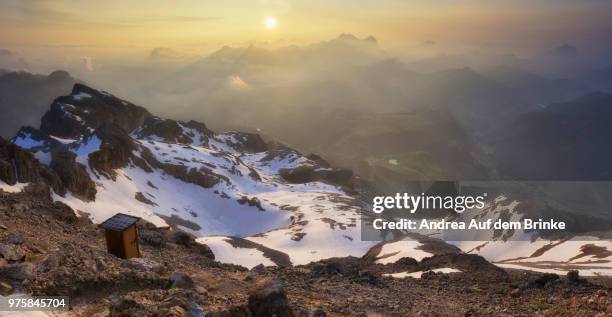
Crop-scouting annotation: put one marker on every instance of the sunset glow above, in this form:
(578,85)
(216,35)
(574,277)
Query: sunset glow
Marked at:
(271,23)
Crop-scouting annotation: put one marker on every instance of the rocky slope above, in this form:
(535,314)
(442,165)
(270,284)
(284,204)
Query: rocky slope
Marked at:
(46,250)
(587,251)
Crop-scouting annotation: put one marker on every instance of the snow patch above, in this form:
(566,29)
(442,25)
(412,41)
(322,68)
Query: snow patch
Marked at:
(420,273)
(392,252)
(17,188)
(62,140)
(81,95)
(226,253)
(27,142)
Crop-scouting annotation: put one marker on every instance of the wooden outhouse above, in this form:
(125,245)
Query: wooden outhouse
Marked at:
(122,235)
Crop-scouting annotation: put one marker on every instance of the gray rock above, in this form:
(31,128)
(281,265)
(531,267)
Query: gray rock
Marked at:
(12,252)
(195,312)
(15,239)
(319,312)
(259,268)
(18,271)
(181,280)
(542,280)
(573,277)
(49,263)
(270,300)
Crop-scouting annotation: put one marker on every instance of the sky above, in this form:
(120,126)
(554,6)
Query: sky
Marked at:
(66,29)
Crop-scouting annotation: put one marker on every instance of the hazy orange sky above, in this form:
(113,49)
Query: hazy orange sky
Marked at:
(199,26)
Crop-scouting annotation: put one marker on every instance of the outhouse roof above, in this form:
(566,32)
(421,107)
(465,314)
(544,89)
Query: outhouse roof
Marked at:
(119,222)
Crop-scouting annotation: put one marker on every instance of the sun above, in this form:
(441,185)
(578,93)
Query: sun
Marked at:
(271,23)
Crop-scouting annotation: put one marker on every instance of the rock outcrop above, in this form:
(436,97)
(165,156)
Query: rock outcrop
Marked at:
(115,150)
(18,165)
(270,300)
(86,110)
(307,173)
(248,142)
(73,175)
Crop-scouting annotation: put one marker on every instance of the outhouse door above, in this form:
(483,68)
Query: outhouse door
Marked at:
(130,240)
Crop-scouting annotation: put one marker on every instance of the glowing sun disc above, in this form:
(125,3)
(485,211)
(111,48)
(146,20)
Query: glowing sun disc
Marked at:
(271,23)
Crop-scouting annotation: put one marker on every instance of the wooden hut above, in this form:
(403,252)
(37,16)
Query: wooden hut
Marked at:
(122,235)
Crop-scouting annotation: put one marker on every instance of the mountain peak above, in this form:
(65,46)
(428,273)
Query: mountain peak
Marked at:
(86,109)
(83,89)
(347,37)
(59,75)
(371,38)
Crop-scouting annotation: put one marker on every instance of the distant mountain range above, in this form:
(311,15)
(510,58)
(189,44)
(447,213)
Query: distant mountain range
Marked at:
(344,99)
(564,141)
(333,98)
(25,97)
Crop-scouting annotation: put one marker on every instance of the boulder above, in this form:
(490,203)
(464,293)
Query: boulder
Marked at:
(204,250)
(269,299)
(18,271)
(195,312)
(51,262)
(154,238)
(542,280)
(12,252)
(573,277)
(259,269)
(15,239)
(181,280)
